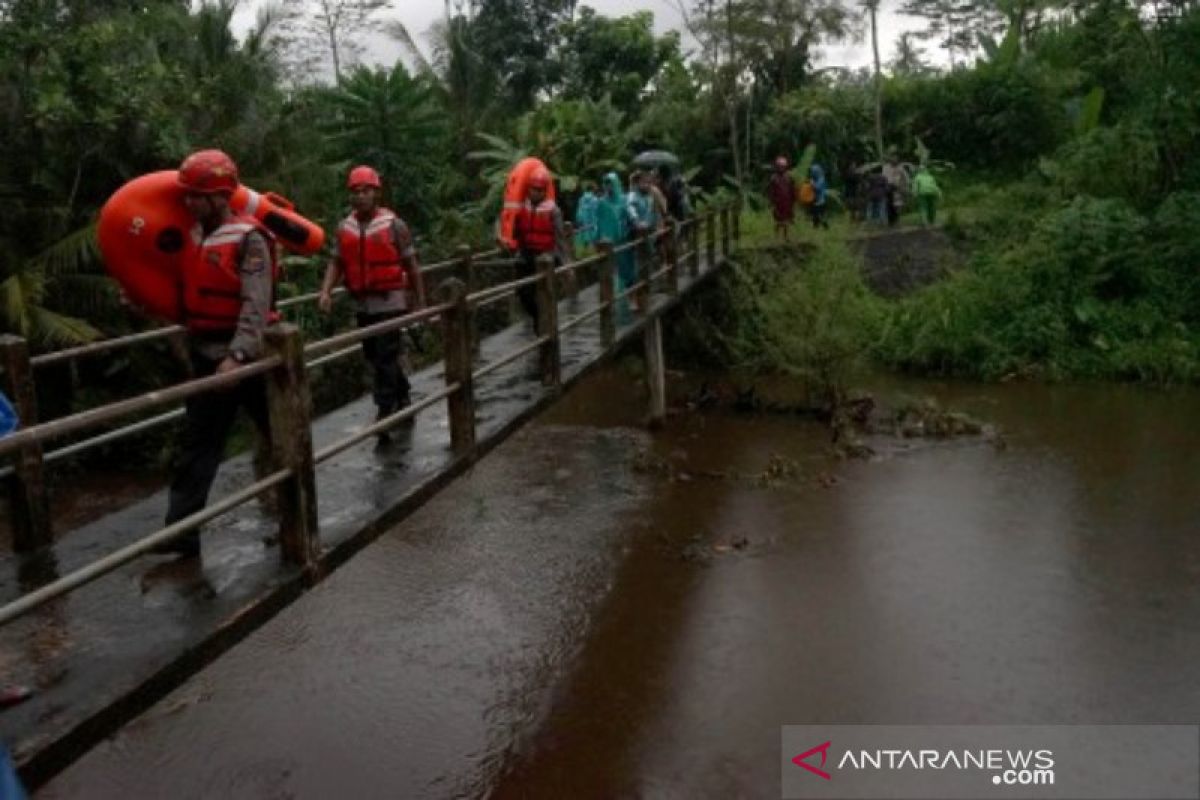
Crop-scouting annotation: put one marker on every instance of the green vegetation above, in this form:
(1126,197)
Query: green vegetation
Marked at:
(1066,137)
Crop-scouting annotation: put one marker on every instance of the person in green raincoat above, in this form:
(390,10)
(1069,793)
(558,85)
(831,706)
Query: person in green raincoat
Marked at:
(613,225)
(928,193)
(585,216)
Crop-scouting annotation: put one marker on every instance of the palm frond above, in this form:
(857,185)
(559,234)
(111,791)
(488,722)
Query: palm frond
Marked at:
(69,254)
(58,329)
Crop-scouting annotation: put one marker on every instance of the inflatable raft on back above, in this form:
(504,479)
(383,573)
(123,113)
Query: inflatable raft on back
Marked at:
(515,191)
(145,233)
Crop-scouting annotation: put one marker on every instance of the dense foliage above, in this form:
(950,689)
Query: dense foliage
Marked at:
(1074,134)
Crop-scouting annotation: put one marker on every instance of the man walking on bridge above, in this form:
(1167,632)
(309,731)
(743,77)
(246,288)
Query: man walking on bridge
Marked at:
(538,231)
(374,254)
(228,301)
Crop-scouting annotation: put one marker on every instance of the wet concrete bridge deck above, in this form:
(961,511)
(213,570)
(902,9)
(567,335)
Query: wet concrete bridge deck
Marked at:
(100,655)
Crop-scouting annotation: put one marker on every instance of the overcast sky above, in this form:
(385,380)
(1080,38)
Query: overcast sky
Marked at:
(418,15)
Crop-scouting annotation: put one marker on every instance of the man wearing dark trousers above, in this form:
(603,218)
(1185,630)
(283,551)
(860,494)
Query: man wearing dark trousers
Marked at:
(228,297)
(538,231)
(376,258)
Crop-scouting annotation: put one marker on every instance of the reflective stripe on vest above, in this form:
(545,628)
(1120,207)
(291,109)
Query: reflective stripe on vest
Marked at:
(212,286)
(535,227)
(370,254)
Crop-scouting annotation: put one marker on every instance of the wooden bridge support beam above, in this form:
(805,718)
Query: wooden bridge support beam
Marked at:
(655,371)
(456,338)
(467,262)
(290,406)
(30,510)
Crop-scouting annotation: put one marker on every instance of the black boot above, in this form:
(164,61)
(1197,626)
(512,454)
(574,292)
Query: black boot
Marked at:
(383,437)
(187,546)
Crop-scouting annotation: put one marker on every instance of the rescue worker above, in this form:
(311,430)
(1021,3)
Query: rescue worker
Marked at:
(538,231)
(228,301)
(375,257)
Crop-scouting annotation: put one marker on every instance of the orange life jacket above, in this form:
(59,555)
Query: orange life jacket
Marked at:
(535,227)
(212,287)
(370,254)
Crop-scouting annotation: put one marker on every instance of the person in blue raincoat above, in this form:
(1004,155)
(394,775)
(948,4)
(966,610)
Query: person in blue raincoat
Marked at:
(10,784)
(585,216)
(8,417)
(643,214)
(817,210)
(613,225)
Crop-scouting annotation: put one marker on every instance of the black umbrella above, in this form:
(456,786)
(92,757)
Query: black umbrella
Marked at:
(656,158)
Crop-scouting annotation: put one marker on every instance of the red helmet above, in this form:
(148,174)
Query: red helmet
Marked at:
(781,163)
(540,179)
(363,176)
(208,172)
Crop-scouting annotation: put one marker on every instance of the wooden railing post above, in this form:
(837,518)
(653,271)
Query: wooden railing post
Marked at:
(710,239)
(644,253)
(547,321)
(606,272)
(290,407)
(467,260)
(694,246)
(456,338)
(673,254)
(570,280)
(725,231)
(30,511)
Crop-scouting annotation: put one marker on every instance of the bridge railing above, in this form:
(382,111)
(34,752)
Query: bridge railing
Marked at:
(286,367)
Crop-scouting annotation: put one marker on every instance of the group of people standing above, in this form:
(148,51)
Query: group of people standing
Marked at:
(611,213)
(877,194)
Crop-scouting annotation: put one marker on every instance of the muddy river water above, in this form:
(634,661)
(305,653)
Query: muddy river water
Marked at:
(598,612)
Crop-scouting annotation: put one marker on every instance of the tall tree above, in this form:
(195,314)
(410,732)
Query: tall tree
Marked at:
(392,121)
(778,37)
(956,24)
(873,8)
(614,56)
(909,58)
(516,39)
(320,37)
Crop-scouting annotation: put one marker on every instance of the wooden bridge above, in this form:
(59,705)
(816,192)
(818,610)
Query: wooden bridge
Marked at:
(84,623)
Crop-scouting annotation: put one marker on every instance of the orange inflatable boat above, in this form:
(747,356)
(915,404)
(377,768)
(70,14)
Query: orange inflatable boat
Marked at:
(515,190)
(145,232)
